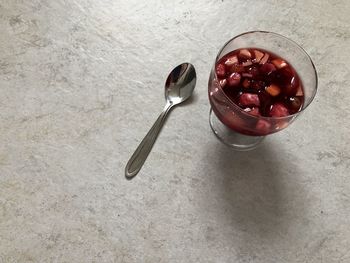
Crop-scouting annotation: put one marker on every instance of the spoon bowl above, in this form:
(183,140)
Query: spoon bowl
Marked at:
(180,83)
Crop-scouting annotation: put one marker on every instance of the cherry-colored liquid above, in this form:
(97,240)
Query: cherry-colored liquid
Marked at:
(261,84)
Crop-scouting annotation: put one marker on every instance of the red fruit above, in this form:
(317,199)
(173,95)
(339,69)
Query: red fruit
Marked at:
(281,124)
(264,59)
(244,54)
(234,79)
(265,101)
(278,110)
(237,68)
(220,70)
(267,68)
(247,75)
(247,63)
(223,82)
(263,126)
(246,83)
(254,71)
(231,61)
(279,63)
(258,84)
(249,99)
(288,81)
(232,120)
(300,91)
(291,88)
(294,103)
(273,90)
(284,76)
(258,55)
(254,111)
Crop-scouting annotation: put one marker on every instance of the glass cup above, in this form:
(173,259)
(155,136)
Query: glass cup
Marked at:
(229,122)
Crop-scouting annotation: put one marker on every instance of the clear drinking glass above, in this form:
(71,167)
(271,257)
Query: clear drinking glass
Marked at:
(229,122)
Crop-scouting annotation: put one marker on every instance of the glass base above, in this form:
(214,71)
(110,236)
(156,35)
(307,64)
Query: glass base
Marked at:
(237,141)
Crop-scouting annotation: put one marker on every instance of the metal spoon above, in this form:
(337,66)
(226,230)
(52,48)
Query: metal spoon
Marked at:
(178,88)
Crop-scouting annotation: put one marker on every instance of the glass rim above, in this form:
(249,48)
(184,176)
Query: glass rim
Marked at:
(294,43)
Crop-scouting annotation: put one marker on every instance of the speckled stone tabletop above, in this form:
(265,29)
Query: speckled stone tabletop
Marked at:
(81,82)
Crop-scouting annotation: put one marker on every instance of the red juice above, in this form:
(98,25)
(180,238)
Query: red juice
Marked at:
(263,85)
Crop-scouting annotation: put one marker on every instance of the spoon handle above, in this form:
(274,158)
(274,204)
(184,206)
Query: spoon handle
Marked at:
(140,155)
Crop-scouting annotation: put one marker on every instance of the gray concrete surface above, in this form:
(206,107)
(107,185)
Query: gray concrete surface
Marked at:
(81,82)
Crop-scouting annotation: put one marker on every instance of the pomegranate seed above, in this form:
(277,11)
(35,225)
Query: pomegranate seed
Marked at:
(282,124)
(237,68)
(263,126)
(294,103)
(247,75)
(284,76)
(267,68)
(252,111)
(261,83)
(220,70)
(279,63)
(247,109)
(273,90)
(244,54)
(246,83)
(258,84)
(223,82)
(264,59)
(300,91)
(258,55)
(292,88)
(289,90)
(254,71)
(231,61)
(247,63)
(232,120)
(266,101)
(234,79)
(249,99)
(255,111)
(278,110)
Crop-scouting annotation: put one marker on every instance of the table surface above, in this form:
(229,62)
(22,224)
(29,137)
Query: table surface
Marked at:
(82,82)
